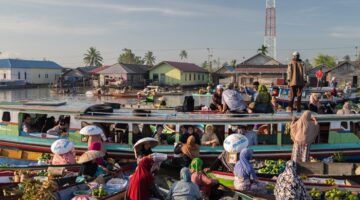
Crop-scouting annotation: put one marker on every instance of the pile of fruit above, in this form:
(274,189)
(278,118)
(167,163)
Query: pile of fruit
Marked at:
(330,181)
(340,194)
(99,192)
(272,167)
(315,193)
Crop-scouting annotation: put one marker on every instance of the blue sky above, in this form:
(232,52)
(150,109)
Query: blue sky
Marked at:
(62,30)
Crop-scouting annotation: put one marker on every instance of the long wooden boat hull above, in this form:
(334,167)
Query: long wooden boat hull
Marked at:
(349,150)
(227,179)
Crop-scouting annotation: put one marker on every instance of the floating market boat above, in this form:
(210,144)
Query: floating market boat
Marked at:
(227,179)
(338,132)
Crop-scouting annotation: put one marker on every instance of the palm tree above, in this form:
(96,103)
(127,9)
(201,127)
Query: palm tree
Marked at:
(93,57)
(263,50)
(183,55)
(233,63)
(149,58)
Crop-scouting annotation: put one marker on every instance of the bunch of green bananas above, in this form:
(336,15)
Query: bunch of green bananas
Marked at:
(315,193)
(336,194)
(330,181)
(270,187)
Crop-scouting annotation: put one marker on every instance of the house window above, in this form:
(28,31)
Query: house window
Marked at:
(4,75)
(39,76)
(25,75)
(19,75)
(46,75)
(155,77)
(194,77)
(203,77)
(189,77)
(199,77)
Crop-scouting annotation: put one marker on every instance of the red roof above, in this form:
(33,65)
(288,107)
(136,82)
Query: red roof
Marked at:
(186,67)
(98,69)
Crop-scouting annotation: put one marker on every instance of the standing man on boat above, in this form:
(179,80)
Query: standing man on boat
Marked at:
(296,80)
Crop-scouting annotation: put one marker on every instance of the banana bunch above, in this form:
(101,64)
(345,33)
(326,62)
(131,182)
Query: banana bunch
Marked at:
(330,181)
(272,167)
(336,194)
(315,193)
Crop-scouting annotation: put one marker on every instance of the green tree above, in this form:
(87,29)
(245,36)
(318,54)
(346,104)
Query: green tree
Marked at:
(183,54)
(263,50)
(204,64)
(322,59)
(128,57)
(149,58)
(93,57)
(233,63)
(347,58)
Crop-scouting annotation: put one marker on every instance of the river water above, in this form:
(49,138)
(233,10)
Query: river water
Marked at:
(44,94)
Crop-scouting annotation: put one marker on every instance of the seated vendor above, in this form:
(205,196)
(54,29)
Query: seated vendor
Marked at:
(26,125)
(190,132)
(159,136)
(209,138)
(216,104)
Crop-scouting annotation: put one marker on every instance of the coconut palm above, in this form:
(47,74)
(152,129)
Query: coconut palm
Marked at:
(93,57)
(149,58)
(183,54)
(263,50)
(233,63)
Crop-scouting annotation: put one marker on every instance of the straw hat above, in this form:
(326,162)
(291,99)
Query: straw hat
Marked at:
(170,127)
(90,155)
(62,146)
(91,130)
(152,141)
(234,143)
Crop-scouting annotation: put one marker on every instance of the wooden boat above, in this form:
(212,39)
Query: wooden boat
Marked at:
(334,136)
(227,179)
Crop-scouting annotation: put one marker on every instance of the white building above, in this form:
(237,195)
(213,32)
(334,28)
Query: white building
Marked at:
(31,71)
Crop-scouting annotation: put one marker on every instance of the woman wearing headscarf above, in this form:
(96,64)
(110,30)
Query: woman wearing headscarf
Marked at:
(289,185)
(222,163)
(142,186)
(314,103)
(245,176)
(303,132)
(346,109)
(66,158)
(184,189)
(209,138)
(263,101)
(207,185)
(190,150)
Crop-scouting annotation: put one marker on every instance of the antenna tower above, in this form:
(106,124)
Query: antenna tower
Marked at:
(270,28)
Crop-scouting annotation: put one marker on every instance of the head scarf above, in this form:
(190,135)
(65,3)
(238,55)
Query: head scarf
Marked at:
(142,180)
(263,96)
(96,138)
(190,149)
(304,130)
(289,185)
(345,110)
(196,164)
(64,159)
(243,167)
(97,147)
(185,174)
(209,126)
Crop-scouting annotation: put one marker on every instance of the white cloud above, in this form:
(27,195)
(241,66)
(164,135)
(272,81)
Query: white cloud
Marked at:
(346,32)
(126,8)
(43,27)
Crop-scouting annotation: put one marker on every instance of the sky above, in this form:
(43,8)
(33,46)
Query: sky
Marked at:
(62,30)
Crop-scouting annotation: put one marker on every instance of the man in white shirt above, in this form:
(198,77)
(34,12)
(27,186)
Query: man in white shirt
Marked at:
(232,100)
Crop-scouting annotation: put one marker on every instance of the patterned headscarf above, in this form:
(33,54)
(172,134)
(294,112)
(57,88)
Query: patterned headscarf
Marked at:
(196,164)
(289,185)
(185,174)
(243,167)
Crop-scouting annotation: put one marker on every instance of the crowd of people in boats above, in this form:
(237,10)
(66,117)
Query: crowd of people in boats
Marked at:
(194,182)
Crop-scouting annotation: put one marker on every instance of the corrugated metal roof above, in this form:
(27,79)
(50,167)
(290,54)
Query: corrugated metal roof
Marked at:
(124,69)
(186,67)
(18,63)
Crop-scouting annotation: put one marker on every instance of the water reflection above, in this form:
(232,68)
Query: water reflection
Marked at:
(45,94)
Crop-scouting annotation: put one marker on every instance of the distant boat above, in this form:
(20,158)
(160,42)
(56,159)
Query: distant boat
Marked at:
(11,84)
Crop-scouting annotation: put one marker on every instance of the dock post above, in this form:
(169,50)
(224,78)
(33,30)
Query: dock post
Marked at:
(130,138)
